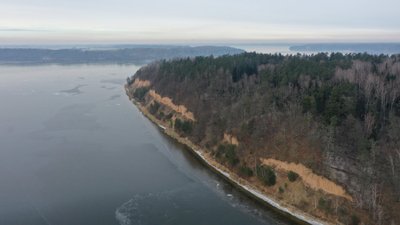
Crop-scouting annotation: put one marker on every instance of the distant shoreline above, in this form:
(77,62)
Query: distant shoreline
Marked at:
(144,54)
(240,184)
(370,48)
(123,55)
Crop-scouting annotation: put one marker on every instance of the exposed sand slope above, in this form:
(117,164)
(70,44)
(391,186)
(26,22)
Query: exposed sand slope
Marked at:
(311,179)
(141,83)
(231,139)
(181,109)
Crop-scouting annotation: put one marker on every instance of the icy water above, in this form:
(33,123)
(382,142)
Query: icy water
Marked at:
(75,151)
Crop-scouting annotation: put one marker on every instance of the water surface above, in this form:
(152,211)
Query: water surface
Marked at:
(74,150)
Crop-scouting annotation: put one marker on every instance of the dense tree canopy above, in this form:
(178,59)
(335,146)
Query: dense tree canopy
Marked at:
(331,112)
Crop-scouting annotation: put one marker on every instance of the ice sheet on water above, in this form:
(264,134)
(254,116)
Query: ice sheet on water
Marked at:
(113,97)
(182,205)
(113,81)
(74,91)
(152,208)
(108,88)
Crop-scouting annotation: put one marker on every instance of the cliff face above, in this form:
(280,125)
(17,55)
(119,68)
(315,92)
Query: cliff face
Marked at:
(332,120)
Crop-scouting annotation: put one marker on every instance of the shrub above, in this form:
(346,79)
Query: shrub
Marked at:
(267,175)
(228,152)
(169,116)
(183,126)
(154,107)
(281,190)
(354,220)
(342,212)
(140,93)
(325,205)
(292,176)
(246,171)
(231,156)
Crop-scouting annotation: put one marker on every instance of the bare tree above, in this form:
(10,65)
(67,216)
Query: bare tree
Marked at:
(376,207)
(390,158)
(369,123)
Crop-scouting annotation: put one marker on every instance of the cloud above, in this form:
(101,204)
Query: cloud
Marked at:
(22,30)
(179,20)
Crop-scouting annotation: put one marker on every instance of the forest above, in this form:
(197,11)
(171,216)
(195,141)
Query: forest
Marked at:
(338,114)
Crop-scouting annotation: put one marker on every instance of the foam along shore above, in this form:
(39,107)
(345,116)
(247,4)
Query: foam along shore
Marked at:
(212,164)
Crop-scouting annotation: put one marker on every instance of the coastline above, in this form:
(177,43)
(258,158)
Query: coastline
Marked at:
(239,183)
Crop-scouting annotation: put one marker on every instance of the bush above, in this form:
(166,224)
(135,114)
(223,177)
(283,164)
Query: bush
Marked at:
(246,171)
(169,116)
(354,220)
(161,114)
(325,205)
(183,126)
(140,93)
(154,107)
(281,190)
(228,152)
(267,175)
(292,176)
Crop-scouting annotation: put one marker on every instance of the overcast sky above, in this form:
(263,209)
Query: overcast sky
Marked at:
(188,21)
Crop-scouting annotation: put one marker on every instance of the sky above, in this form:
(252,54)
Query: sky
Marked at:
(195,21)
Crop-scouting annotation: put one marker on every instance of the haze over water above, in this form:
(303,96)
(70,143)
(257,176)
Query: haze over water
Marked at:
(75,150)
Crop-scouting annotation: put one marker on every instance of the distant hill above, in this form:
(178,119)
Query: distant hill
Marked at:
(108,54)
(371,48)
